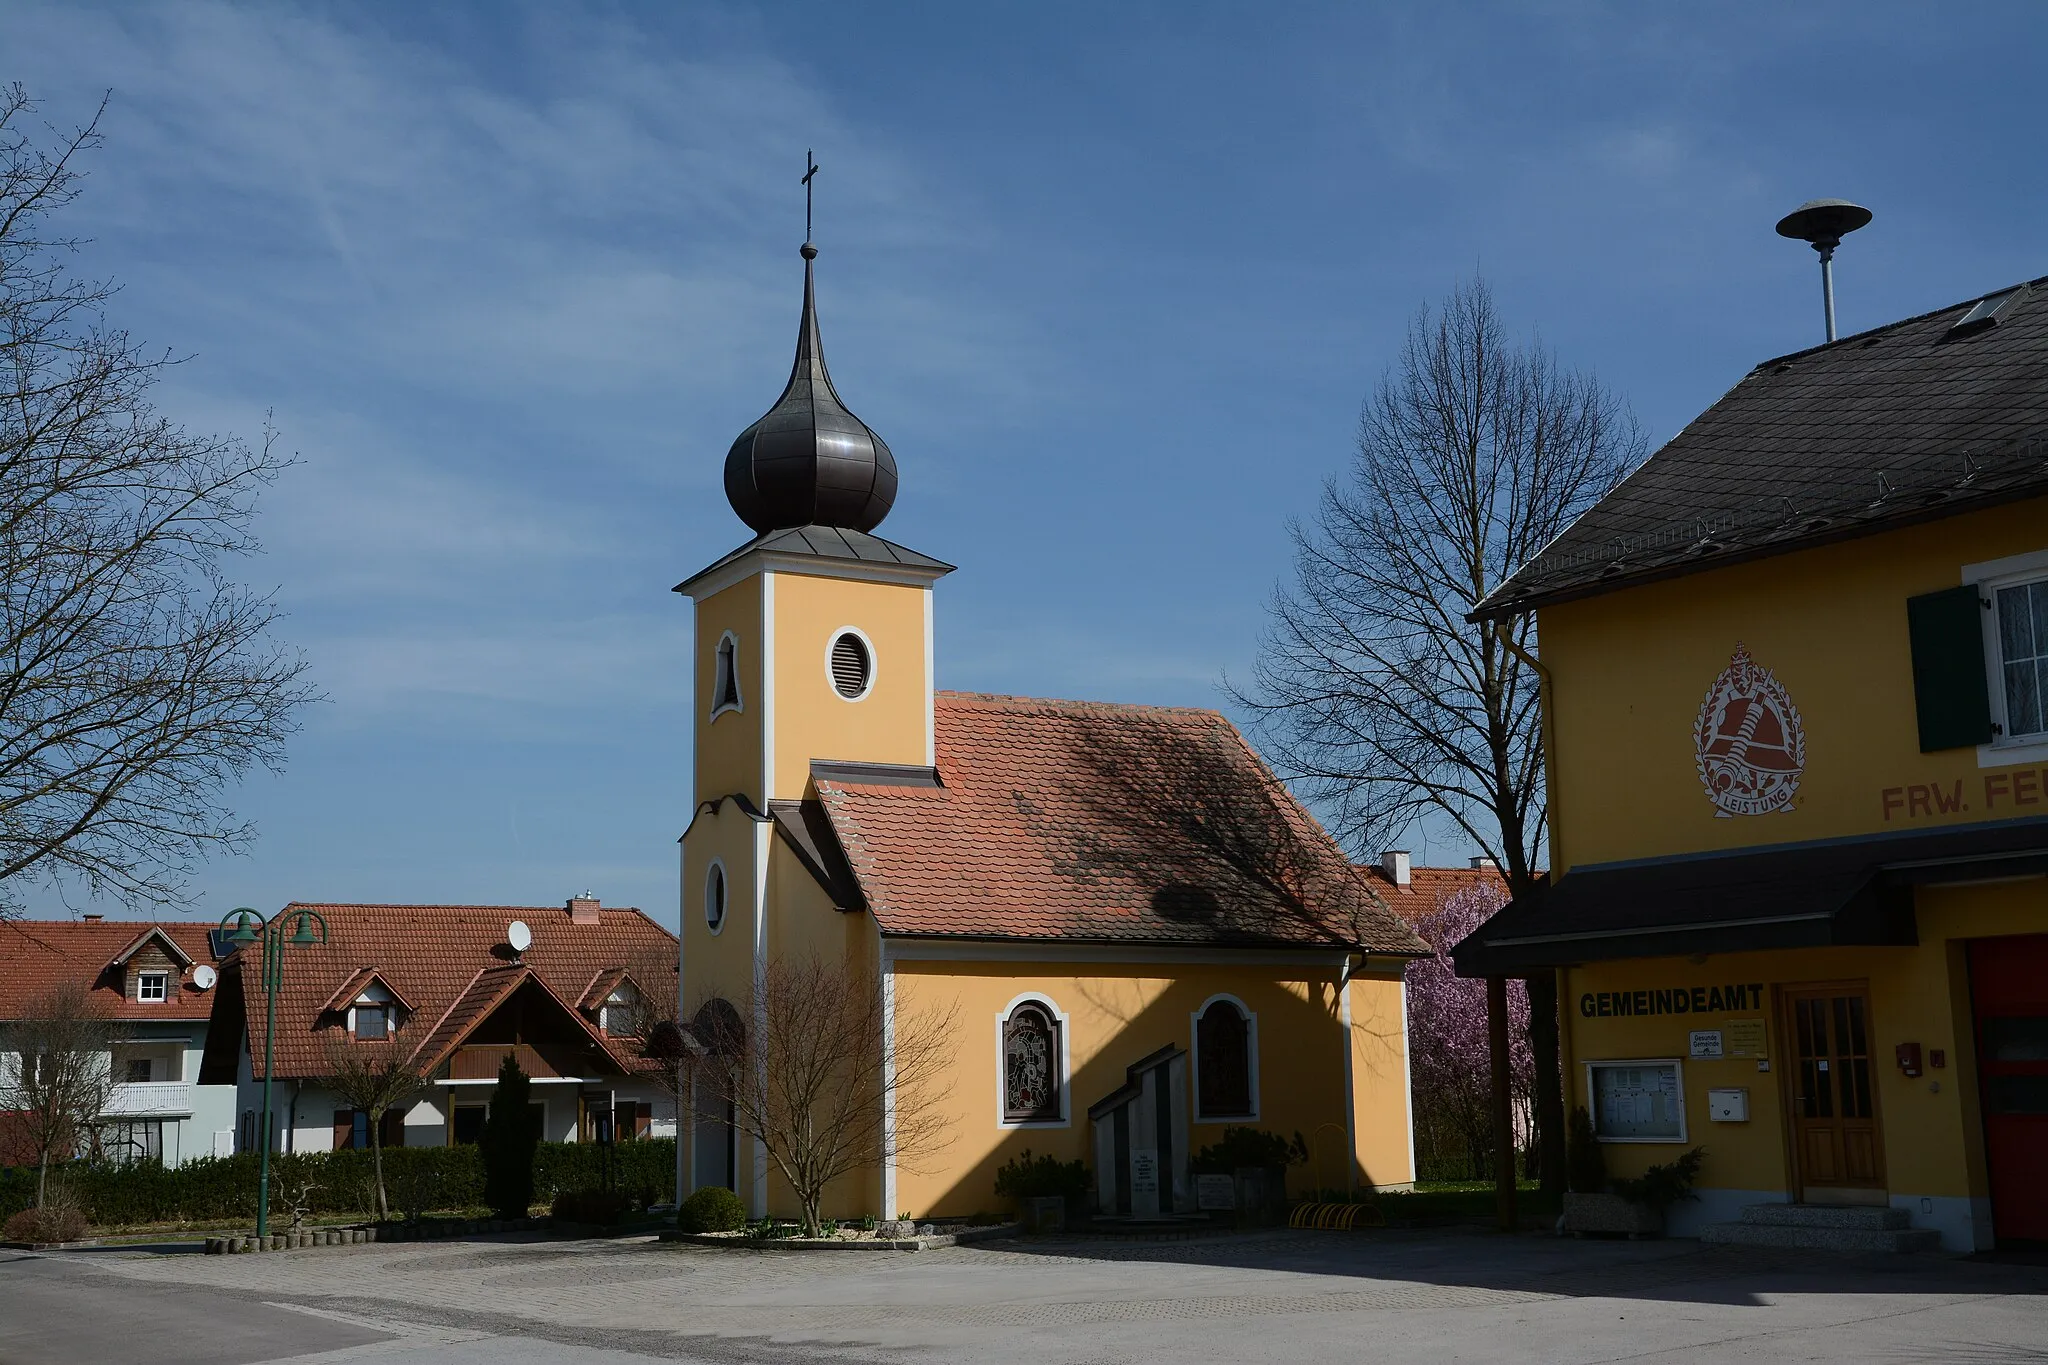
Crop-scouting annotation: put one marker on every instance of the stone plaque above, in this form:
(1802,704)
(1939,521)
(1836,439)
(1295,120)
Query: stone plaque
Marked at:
(1215,1192)
(1145,1171)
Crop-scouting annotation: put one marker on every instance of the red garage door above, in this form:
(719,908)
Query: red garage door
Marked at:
(2009,987)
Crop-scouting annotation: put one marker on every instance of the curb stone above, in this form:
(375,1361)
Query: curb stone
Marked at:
(930,1243)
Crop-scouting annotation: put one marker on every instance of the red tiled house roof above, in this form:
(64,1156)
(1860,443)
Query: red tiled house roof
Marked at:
(451,967)
(1429,887)
(1090,822)
(38,954)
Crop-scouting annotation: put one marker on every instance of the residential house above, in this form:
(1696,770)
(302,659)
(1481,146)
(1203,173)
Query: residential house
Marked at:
(1794,672)
(1413,892)
(156,982)
(1142,937)
(453,990)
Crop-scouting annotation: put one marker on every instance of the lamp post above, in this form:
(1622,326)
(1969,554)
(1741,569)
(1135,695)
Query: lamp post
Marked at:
(245,926)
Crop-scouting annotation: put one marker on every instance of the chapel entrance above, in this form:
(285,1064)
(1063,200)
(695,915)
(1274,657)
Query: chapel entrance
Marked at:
(1141,1140)
(2009,999)
(1835,1137)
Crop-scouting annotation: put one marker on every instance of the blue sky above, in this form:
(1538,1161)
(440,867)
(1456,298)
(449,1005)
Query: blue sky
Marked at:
(1111,280)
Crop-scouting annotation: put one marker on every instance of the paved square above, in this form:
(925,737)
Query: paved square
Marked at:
(1444,1295)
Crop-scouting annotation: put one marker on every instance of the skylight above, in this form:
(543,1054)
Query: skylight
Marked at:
(1989,309)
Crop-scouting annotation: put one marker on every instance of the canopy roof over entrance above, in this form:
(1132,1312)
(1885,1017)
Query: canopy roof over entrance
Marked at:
(1809,895)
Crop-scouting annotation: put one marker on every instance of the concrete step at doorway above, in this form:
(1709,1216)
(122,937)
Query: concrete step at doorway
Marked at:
(1824,1227)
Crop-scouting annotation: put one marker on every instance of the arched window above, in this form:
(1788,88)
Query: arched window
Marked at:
(714,896)
(725,682)
(1031,1065)
(1223,1063)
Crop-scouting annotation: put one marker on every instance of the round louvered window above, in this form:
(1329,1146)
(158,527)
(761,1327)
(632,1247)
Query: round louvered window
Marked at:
(852,665)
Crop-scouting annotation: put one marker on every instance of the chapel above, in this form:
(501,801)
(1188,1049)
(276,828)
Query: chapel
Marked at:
(1140,937)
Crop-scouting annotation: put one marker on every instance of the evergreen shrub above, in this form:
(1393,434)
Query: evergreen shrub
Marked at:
(1027,1177)
(508,1140)
(1249,1147)
(712,1209)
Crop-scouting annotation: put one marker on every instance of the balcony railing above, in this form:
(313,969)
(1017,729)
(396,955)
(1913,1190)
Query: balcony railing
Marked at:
(149,1099)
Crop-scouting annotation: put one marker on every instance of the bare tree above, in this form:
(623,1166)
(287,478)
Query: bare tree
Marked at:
(136,680)
(57,1066)
(373,1079)
(813,1082)
(1372,687)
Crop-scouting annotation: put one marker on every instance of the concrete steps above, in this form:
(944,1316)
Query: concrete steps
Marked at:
(1824,1227)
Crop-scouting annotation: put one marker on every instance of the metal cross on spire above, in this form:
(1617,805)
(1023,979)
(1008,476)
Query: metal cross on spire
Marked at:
(813,170)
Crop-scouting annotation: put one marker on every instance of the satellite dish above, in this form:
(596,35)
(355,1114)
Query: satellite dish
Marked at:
(519,936)
(203,977)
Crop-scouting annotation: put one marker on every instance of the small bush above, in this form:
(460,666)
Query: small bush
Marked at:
(56,1223)
(602,1207)
(712,1209)
(1249,1147)
(507,1142)
(1027,1177)
(1660,1187)
(1585,1163)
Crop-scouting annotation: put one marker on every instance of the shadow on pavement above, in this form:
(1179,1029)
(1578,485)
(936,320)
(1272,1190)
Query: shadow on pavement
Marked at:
(1676,1271)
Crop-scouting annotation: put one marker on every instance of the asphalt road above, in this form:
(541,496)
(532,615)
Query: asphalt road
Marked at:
(1293,1296)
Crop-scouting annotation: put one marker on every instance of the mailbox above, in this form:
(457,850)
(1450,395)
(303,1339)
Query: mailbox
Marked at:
(1909,1058)
(1728,1106)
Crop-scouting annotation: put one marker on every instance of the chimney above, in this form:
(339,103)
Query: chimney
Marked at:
(583,909)
(1482,864)
(1394,862)
(94,919)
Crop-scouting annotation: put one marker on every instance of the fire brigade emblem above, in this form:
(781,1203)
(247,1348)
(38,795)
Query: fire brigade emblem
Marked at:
(1749,742)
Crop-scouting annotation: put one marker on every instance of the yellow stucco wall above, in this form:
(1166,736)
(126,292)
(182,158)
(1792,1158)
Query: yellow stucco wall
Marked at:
(812,721)
(1631,668)
(728,749)
(1117,1014)
(1929,1123)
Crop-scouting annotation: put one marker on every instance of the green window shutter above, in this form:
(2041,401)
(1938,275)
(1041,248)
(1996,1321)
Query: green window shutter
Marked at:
(1949,689)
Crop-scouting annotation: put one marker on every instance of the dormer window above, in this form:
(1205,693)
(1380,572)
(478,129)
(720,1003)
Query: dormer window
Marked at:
(622,1013)
(374,1014)
(725,683)
(152,987)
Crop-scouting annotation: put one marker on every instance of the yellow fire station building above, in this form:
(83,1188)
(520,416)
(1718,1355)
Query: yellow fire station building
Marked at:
(1796,687)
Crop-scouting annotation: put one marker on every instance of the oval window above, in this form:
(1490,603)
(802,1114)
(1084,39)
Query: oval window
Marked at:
(714,897)
(853,667)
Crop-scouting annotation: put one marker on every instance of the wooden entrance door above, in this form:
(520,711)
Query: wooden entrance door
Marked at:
(1834,1101)
(2009,990)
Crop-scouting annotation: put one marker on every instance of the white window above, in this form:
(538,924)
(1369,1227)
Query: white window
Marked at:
(1031,1064)
(2020,685)
(725,676)
(714,896)
(374,1014)
(850,663)
(152,986)
(2014,595)
(620,1013)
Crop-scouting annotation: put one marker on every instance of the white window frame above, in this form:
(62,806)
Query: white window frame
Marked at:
(143,981)
(874,663)
(1677,1064)
(1251,1043)
(739,701)
(716,865)
(1065,1049)
(374,997)
(1988,577)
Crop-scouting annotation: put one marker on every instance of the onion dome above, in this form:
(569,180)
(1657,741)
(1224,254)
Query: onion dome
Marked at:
(808,461)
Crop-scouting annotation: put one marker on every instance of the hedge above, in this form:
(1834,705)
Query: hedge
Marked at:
(418,1179)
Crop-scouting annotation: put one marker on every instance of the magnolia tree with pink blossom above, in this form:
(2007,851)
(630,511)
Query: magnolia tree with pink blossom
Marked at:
(1449,1064)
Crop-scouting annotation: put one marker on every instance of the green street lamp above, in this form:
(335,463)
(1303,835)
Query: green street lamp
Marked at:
(243,927)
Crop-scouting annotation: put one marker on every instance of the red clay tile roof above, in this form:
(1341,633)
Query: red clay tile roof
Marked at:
(1429,887)
(441,959)
(38,954)
(358,982)
(1084,821)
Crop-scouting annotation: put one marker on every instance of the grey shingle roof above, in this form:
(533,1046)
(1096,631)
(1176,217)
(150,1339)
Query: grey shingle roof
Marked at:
(826,542)
(1909,422)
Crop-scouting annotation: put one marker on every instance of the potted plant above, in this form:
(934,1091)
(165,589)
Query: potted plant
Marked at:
(1635,1208)
(1257,1162)
(1047,1192)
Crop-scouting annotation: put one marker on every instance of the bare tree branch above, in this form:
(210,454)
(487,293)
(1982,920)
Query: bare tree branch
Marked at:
(374,1078)
(813,1082)
(1372,689)
(137,682)
(56,1074)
